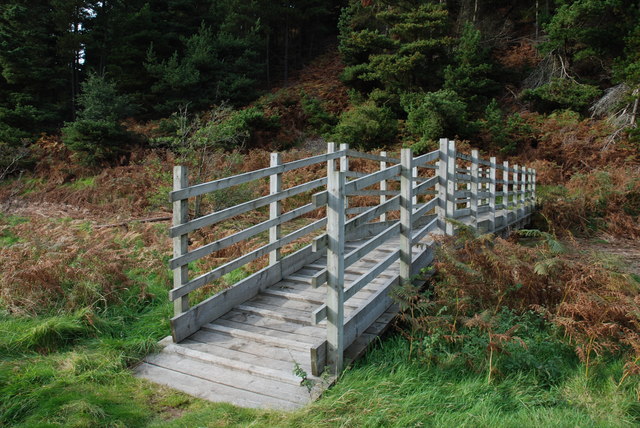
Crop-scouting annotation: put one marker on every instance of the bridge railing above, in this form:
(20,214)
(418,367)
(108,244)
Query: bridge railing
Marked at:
(405,198)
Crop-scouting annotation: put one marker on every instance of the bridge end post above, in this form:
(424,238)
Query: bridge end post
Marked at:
(406,209)
(506,208)
(181,242)
(451,186)
(275,209)
(475,184)
(492,194)
(335,266)
(383,187)
(442,185)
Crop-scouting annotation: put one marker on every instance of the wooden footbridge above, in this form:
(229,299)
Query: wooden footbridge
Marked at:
(323,303)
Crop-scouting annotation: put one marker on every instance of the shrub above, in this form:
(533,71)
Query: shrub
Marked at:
(97,134)
(505,133)
(561,94)
(366,127)
(435,115)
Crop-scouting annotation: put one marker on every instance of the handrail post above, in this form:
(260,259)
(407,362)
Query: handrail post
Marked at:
(181,242)
(383,186)
(275,208)
(505,194)
(533,188)
(451,185)
(335,269)
(406,209)
(515,191)
(523,190)
(492,194)
(441,209)
(475,181)
(344,167)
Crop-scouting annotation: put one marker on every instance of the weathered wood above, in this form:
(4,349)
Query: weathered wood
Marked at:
(227,241)
(425,208)
(370,156)
(451,185)
(217,305)
(218,272)
(242,208)
(371,244)
(474,193)
(492,194)
(275,208)
(421,188)
(180,242)
(383,184)
(429,157)
(406,211)
(505,192)
(223,183)
(335,270)
(429,227)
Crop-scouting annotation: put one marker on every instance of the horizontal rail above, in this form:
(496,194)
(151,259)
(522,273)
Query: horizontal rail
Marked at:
(431,182)
(371,179)
(321,312)
(227,241)
(431,204)
(371,156)
(370,245)
(241,261)
(235,210)
(431,226)
(223,183)
(353,224)
(421,160)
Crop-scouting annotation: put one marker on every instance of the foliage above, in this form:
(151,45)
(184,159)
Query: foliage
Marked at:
(603,199)
(435,115)
(366,127)
(97,134)
(483,293)
(562,93)
(471,74)
(389,46)
(506,133)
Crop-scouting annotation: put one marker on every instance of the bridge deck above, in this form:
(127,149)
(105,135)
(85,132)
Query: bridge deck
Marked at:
(247,356)
(265,342)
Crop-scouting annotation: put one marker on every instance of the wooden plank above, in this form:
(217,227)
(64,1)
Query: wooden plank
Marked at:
(231,378)
(370,245)
(475,184)
(189,322)
(180,242)
(370,156)
(215,340)
(360,320)
(218,272)
(371,179)
(363,280)
(235,210)
(421,233)
(227,241)
(335,270)
(208,390)
(277,368)
(254,319)
(274,313)
(425,208)
(262,335)
(421,188)
(492,194)
(275,208)
(423,159)
(406,211)
(383,184)
(451,186)
(229,360)
(223,183)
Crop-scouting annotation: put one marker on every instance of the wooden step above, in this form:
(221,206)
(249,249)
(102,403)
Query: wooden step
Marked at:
(232,378)
(225,358)
(250,318)
(251,348)
(202,388)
